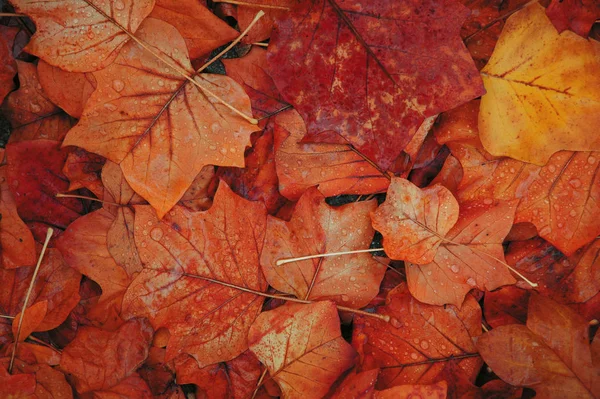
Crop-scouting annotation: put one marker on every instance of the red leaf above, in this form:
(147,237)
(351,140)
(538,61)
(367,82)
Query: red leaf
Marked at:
(302,347)
(316,228)
(369,81)
(579,16)
(100,360)
(8,69)
(222,243)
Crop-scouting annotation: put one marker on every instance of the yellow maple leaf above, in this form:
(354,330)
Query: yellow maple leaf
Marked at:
(543,91)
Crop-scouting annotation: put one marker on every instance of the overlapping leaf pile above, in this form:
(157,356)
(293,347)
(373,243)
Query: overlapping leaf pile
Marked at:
(197,193)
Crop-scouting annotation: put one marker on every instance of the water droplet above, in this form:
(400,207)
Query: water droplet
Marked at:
(424,344)
(119,5)
(573,213)
(591,160)
(352,278)
(35,108)
(75,21)
(471,281)
(454,268)
(395,322)
(488,201)
(161,83)
(118,85)
(110,107)
(414,356)
(156,234)
(552,168)
(345,298)
(223,150)
(575,183)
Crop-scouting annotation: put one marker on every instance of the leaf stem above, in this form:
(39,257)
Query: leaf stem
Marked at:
(233,43)
(12,14)
(385,318)
(357,251)
(61,195)
(175,67)
(243,3)
(29,290)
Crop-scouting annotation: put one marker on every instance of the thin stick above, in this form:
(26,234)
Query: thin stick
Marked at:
(358,251)
(259,383)
(233,43)
(288,260)
(35,273)
(261,44)
(243,3)
(61,195)
(47,345)
(383,317)
(3,316)
(12,14)
(176,68)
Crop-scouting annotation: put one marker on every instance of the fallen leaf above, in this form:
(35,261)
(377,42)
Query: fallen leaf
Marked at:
(83,168)
(69,90)
(222,243)
(56,283)
(8,70)
(32,318)
(317,228)
(35,177)
(508,305)
(82,35)
(550,355)
(359,79)
(578,16)
(414,222)
(202,30)
(334,168)
(99,360)
(251,72)
(357,385)
(33,381)
(542,95)
(302,347)
(433,391)
(258,180)
(273,9)
(414,347)
(17,386)
(16,241)
(141,117)
(30,112)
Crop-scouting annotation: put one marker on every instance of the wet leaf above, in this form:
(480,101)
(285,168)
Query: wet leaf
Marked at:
(302,347)
(578,16)
(542,95)
(369,81)
(161,129)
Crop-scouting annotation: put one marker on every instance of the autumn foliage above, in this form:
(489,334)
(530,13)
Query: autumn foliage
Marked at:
(299,199)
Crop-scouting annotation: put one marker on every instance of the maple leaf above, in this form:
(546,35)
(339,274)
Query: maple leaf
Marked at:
(551,354)
(8,69)
(317,228)
(82,35)
(414,347)
(542,95)
(101,360)
(508,305)
(449,252)
(361,79)
(335,169)
(32,380)
(161,129)
(205,319)
(302,347)
(579,16)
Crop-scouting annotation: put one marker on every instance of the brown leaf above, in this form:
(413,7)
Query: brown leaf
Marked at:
(205,319)
(551,354)
(158,127)
(316,228)
(302,347)
(82,35)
